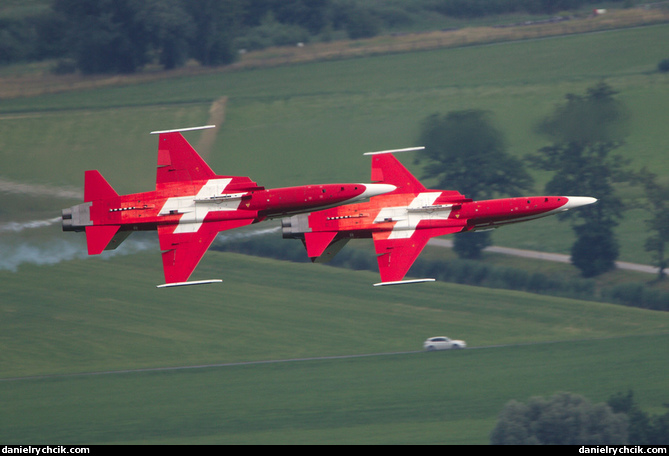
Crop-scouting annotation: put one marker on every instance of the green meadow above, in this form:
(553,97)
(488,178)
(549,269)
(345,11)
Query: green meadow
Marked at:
(74,365)
(77,334)
(105,314)
(448,398)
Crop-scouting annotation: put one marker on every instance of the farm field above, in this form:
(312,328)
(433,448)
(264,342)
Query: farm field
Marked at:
(104,315)
(79,336)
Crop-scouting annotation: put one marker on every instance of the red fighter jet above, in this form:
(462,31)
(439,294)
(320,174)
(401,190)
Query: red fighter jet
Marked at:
(191,205)
(402,222)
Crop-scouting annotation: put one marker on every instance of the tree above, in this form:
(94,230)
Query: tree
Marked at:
(466,152)
(564,419)
(663,66)
(170,29)
(271,32)
(31,37)
(643,429)
(362,24)
(595,249)
(585,131)
(105,36)
(216,25)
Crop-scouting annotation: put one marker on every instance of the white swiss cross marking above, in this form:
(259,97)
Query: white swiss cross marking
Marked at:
(408,217)
(195,208)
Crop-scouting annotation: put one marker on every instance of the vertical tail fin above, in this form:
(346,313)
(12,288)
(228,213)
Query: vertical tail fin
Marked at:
(96,187)
(99,237)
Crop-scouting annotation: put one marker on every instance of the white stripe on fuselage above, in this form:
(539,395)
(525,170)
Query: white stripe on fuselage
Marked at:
(405,220)
(194,212)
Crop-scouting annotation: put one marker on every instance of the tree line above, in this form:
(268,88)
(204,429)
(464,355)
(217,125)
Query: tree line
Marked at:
(464,150)
(571,419)
(467,272)
(122,36)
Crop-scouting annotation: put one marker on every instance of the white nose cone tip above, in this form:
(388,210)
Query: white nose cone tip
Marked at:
(376,190)
(578,201)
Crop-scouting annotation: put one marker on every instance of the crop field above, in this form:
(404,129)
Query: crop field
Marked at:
(91,352)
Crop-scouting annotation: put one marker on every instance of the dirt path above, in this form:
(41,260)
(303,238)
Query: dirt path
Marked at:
(557,257)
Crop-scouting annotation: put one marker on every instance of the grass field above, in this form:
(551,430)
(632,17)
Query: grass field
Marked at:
(293,125)
(103,315)
(448,398)
(118,320)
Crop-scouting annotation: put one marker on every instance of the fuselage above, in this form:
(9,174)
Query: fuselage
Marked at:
(402,222)
(189,206)
(402,214)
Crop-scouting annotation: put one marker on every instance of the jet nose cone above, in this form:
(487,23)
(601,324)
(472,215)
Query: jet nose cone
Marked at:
(377,189)
(577,201)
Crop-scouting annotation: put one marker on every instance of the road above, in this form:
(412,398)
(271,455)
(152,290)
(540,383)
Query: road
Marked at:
(557,257)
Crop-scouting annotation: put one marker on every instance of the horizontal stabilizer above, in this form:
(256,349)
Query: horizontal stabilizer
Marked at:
(98,237)
(332,250)
(118,238)
(317,242)
(185,284)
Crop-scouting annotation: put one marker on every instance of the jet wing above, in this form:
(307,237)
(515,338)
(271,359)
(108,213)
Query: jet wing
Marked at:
(178,161)
(396,255)
(388,169)
(183,251)
(180,167)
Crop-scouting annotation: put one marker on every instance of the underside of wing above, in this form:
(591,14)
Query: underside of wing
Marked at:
(183,251)
(323,246)
(396,256)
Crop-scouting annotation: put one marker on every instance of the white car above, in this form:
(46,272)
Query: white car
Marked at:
(443,343)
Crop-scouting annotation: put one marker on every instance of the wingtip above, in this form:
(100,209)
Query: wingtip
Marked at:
(392,151)
(178,130)
(184,284)
(403,282)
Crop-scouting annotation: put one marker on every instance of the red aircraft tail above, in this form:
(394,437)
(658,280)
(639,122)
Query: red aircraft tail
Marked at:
(388,169)
(99,237)
(96,187)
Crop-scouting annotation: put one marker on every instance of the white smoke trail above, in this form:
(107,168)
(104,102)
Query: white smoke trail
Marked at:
(14,253)
(55,251)
(8,186)
(17,227)
(245,234)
